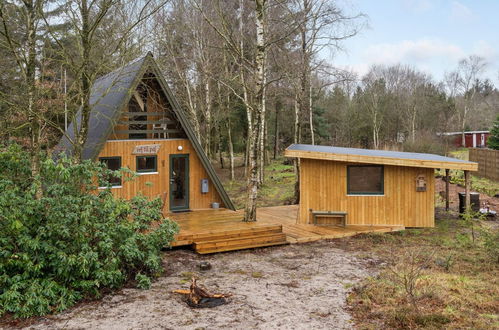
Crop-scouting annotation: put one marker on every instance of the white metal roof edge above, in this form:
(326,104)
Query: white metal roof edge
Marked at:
(377,153)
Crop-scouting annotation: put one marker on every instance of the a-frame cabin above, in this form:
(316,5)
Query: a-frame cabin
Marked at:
(135,122)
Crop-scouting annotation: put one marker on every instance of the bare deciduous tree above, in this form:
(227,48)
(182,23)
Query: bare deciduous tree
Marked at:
(89,55)
(23,47)
(461,84)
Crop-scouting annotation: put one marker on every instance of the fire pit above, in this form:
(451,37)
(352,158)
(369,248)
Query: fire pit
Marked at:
(199,297)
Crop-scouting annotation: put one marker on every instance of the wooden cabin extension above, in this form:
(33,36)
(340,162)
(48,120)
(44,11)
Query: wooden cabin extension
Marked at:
(370,187)
(399,204)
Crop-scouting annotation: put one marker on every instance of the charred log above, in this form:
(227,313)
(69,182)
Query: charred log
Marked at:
(199,297)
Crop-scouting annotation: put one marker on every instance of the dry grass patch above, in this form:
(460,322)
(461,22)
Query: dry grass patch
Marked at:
(434,278)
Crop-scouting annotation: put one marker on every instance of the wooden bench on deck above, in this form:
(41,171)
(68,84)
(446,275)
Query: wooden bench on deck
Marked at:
(332,214)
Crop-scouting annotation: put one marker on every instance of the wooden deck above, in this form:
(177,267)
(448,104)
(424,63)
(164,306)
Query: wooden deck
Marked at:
(299,233)
(210,231)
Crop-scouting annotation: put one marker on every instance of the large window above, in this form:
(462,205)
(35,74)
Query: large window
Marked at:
(365,180)
(113,164)
(146,164)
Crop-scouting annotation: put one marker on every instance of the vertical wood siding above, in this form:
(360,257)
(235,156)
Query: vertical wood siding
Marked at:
(488,162)
(323,187)
(159,183)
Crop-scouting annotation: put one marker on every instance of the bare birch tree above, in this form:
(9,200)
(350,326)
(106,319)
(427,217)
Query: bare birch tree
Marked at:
(323,26)
(173,29)
(253,78)
(374,99)
(460,84)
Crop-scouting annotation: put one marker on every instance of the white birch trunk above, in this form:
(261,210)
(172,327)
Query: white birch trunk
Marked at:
(192,111)
(262,135)
(296,131)
(207,116)
(296,139)
(30,79)
(260,58)
(191,103)
(249,116)
(231,150)
(413,125)
(311,115)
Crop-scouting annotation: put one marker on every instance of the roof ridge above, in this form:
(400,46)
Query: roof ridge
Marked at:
(134,61)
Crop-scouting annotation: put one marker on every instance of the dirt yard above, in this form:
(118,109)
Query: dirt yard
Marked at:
(302,286)
(454,189)
(291,287)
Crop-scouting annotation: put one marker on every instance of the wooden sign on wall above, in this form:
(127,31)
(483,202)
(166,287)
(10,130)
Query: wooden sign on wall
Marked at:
(146,149)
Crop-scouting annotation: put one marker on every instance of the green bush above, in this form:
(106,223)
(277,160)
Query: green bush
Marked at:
(478,184)
(75,240)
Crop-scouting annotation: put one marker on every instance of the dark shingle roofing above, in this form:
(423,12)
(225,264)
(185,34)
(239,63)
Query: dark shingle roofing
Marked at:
(110,93)
(374,156)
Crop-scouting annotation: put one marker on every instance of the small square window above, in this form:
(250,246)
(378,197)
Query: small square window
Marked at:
(113,164)
(146,164)
(365,180)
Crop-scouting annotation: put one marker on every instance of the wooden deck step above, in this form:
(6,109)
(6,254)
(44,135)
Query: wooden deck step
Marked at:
(240,243)
(223,233)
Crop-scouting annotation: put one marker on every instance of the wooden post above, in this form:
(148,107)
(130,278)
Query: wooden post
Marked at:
(467,188)
(447,178)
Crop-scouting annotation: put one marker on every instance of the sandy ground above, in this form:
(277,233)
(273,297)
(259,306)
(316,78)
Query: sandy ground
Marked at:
(289,287)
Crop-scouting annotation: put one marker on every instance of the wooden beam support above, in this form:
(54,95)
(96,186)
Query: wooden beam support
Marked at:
(447,179)
(467,188)
(139,100)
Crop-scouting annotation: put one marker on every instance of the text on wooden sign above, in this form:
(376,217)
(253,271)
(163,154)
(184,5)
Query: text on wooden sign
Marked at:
(146,149)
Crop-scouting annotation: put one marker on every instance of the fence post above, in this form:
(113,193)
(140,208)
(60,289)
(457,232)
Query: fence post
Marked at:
(467,186)
(447,189)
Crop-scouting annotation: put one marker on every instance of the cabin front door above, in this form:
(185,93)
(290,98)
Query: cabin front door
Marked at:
(179,182)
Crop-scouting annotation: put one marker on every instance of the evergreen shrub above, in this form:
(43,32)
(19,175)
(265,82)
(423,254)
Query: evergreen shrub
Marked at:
(76,240)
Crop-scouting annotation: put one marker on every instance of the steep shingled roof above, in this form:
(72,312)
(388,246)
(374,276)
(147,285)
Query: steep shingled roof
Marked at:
(110,94)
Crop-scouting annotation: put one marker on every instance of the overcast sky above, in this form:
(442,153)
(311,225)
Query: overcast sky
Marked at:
(431,35)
